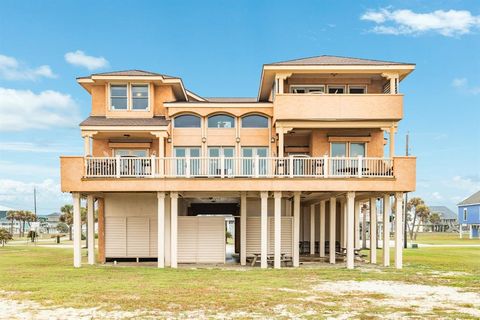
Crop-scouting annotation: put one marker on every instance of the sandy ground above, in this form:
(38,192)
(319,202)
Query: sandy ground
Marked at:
(355,296)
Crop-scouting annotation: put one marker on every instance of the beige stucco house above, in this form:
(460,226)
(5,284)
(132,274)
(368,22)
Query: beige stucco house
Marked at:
(296,165)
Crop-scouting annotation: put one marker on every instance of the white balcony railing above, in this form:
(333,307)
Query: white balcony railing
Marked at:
(239,167)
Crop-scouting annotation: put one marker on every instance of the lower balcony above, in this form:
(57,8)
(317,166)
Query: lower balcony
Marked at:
(244,167)
(149,174)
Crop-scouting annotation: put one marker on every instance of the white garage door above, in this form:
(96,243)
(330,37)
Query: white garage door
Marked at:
(201,240)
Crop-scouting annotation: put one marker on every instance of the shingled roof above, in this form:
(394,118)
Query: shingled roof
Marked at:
(133,72)
(444,212)
(473,199)
(104,121)
(336,60)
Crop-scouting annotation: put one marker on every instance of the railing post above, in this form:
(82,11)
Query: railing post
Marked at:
(256,166)
(360,166)
(187,166)
(152,165)
(117,165)
(290,165)
(325,166)
(222,166)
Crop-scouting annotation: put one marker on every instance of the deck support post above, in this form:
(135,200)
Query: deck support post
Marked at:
(90,230)
(296,229)
(77,231)
(243,228)
(364,228)
(161,230)
(332,238)
(278,228)
(350,232)
(312,229)
(321,244)
(398,230)
(173,228)
(373,230)
(386,230)
(358,205)
(263,229)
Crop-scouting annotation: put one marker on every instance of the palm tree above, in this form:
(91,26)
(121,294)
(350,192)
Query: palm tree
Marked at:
(12,216)
(412,205)
(67,218)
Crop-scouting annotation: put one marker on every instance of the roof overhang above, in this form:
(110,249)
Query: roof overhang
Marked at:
(176,83)
(269,71)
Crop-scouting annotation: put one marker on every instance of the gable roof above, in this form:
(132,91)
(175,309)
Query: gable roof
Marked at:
(473,199)
(444,212)
(328,60)
(132,72)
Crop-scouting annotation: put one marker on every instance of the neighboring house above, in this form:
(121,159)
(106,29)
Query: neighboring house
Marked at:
(163,166)
(469,215)
(6,223)
(448,219)
(49,223)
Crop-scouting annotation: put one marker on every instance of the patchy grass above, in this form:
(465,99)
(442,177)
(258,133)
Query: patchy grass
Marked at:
(444,238)
(46,275)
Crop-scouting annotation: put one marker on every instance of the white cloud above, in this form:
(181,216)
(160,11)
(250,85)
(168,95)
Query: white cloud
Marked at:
(24,109)
(20,146)
(437,196)
(447,23)
(468,183)
(462,84)
(79,58)
(12,69)
(19,195)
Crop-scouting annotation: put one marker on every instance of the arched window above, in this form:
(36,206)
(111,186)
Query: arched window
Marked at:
(254,121)
(221,121)
(187,121)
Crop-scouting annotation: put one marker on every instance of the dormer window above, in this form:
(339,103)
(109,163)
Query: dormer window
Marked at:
(118,97)
(129,97)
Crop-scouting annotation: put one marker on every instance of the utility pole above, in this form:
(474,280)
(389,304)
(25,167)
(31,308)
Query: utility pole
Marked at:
(35,201)
(406,201)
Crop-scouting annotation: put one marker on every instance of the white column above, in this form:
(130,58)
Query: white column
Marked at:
(350,232)
(364,228)
(358,205)
(386,230)
(161,155)
(263,228)
(167,238)
(86,144)
(460,230)
(373,230)
(392,142)
(90,230)
(77,231)
(296,229)
(322,230)
(173,228)
(161,229)
(312,229)
(332,240)
(280,143)
(398,230)
(243,228)
(471,231)
(278,228)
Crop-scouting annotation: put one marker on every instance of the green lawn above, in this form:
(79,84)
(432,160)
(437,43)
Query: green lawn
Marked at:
(444,238)
(46,275)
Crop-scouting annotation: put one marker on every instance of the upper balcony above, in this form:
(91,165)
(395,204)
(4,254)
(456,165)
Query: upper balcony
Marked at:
(293,106)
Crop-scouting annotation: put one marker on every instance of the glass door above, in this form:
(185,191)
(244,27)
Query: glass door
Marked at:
(215,165)
(130,165)
(180,163)
(248,162)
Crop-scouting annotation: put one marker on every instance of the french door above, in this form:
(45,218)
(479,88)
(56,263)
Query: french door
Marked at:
(249,155)
(215,165)
(182,166)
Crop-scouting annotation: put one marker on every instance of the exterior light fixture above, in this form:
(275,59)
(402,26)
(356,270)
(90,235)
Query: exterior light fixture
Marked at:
(204,139)
(272,140)
(169,140)
(237,139)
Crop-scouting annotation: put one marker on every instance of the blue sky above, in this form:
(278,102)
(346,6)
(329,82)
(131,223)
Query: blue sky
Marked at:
(218,48)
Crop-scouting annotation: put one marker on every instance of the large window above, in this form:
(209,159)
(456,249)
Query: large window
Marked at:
(139,97)
(336,89)
(348,149)
(307,89)
(221,121)
(187,121)
(118,97)
(129,97)
(254,121)
(357,89)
